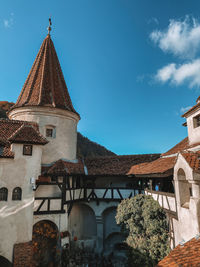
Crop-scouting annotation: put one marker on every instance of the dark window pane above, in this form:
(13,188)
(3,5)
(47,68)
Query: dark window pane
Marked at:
(49,132)
(17,193)
(27,150)
(3,194)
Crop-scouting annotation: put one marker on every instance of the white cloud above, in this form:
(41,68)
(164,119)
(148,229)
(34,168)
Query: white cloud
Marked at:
(8,23)
(178,74)
(181,38)
(183,110)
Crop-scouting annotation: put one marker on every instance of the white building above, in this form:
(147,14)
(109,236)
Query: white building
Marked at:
(177,178)
(43,186)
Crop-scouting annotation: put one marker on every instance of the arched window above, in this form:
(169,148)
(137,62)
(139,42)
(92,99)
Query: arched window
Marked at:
(3,194)
(17,193)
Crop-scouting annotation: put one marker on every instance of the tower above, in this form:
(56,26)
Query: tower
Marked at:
(44,99)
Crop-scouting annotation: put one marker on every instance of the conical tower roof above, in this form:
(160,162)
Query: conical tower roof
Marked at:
(45,85)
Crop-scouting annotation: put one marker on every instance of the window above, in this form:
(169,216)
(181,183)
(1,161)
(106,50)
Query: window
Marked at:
(27,150)
(196,121)
(51,131)
(17,193)
(3,194)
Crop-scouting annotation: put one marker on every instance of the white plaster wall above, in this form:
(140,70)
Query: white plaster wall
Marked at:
(16,217)
(65,122)
(166,201)
(188,217)
(193,133)
(82,222)
(48,191)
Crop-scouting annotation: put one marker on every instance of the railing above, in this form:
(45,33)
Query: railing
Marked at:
(166,200)
(100,194)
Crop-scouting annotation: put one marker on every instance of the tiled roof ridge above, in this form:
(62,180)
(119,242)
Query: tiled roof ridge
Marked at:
(16,132)
(64,167)
(191,109)
(121,156)
(18,121)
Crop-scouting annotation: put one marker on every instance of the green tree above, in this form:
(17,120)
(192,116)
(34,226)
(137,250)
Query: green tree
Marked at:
(145,224)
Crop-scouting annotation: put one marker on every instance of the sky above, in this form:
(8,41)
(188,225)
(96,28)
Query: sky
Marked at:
(132,67)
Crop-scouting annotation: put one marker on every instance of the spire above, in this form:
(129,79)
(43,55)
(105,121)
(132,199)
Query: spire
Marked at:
(45,85)
(49,27)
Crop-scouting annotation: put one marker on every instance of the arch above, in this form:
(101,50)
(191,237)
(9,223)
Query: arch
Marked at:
(82,222)
(185,189)
(3,194)
(45,242)
(17,193)
(109,222)
(5,262)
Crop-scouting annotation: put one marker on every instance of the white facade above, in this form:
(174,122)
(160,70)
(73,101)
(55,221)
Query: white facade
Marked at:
(16,216)
(62,145)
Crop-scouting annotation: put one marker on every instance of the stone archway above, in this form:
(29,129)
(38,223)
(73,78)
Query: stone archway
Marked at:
(45,243)
(5,262)
(82,222)
(111,231)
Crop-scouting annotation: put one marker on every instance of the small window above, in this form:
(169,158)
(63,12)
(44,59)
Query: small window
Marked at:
(196,121)
(3,194)
(49,132)
(17,193)
(27,150)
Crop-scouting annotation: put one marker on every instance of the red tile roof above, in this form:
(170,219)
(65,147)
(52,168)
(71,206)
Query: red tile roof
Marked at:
(194,108)
(45,85)
(183,145)
(178,147)
(116,165)
(27,134)
(183,255)
(159,166)
(64,167)
(193,159)
(19,132)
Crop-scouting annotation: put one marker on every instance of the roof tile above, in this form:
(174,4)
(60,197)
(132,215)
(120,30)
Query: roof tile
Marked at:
(116,165)
(186,255)
(159,166)
(45,85)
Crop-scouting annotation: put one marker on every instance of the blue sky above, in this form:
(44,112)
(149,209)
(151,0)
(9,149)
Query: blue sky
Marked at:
(132,66)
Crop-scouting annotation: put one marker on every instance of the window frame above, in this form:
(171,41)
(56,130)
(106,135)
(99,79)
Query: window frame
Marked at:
(4,195)
(24,150)
(53,130)
(17,196)
(196,121)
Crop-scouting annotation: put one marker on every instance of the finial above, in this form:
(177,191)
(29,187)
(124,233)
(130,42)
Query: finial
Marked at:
(49,27)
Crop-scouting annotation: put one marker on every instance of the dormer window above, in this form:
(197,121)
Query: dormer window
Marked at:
(50,132)
(196,121)
(27,150)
